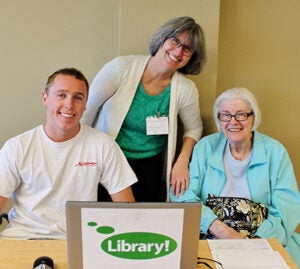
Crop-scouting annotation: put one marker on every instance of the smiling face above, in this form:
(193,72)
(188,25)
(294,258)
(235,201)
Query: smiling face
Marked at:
(174,57)
(237,132)
(65,101)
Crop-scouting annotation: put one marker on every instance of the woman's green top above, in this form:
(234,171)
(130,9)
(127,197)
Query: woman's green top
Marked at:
(133,138)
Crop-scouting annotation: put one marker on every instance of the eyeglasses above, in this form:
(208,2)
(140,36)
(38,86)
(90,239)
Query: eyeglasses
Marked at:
(175,43)
(239,116)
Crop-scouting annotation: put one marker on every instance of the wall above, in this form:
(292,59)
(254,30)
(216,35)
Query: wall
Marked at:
(259,49)
(139,20)
(38,37)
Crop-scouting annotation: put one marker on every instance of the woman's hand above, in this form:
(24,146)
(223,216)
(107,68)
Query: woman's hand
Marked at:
(221,231)
(180,177)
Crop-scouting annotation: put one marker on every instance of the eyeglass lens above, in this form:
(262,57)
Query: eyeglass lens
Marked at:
(176,43)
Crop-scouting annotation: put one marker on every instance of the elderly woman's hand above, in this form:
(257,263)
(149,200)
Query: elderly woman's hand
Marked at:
(221,231)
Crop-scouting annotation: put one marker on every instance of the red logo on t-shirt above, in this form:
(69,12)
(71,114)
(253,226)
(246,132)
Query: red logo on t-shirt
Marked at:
(86,164)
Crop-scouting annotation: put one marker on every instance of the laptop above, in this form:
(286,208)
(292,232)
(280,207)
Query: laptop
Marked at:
(132,235)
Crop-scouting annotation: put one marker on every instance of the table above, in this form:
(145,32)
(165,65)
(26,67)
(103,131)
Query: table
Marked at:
(16,254)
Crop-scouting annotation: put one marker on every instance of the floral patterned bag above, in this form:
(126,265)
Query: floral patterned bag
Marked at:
(241,214)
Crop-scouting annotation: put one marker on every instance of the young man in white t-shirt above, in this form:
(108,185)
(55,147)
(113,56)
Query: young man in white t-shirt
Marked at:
(58,161)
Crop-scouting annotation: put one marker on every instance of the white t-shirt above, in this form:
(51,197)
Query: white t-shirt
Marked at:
(41,175)
(236,180)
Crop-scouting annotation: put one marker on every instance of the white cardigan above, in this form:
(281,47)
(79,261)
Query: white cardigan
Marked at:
(113,89)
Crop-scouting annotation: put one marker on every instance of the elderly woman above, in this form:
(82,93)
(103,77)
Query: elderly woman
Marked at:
(137,99)
(245,179)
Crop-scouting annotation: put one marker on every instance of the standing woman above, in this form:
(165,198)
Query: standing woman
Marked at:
(137,99)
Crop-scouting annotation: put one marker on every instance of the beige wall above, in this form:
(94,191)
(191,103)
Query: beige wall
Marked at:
(38,37)
(140,18)
(259,49)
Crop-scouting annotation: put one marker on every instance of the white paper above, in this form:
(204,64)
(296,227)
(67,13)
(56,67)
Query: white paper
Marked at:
(246,254)
(157,125)
(239,244)
(250,259)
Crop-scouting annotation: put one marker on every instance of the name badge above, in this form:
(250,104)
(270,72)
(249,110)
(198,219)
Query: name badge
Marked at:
(157,125)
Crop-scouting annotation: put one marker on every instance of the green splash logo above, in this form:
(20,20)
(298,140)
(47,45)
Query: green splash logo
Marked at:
(135,245)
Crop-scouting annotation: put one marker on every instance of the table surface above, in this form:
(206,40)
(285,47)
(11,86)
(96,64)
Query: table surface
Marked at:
(15,254)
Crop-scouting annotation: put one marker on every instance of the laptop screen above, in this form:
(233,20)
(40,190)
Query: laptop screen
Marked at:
(132,235)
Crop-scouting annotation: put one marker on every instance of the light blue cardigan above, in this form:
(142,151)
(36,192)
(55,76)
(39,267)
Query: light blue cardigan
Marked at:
(271,181)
